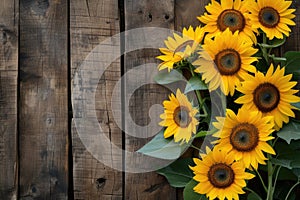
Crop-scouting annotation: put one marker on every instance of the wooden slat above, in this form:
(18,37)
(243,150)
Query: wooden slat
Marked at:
(43,105)
(186,13)
(8,98)
(293,42)
(143,13)
(93,21)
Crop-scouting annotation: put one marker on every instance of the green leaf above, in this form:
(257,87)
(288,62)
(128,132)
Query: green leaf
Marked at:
(282,189)
(297,105)
(287,174)
(204,133)
(178,173)
(201,134)
(162,148)
(292,62)
(282,162)
(296,171)
(290,132)
(168,77)
(189,194)
(287,155)
(262,65)
(195,83)
(252,196)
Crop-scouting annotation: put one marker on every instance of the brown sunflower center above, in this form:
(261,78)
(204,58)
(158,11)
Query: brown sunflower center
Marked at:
(266,97)
(269,17)
(232,19)
(220,175)
(181,116)
(182,47)
(244,137)
(228,62)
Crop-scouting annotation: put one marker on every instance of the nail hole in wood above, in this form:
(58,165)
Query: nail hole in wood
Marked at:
(100,182)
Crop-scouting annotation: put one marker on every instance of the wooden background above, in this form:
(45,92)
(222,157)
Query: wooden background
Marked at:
(42,43)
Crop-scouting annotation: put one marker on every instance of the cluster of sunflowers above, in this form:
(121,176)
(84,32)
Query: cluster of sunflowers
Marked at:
(230,55)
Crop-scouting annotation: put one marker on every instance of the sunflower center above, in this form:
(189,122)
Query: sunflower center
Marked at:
(228,62)
(220,175)
(266,97)
(181,117)
(269,17)
(182,47)
(244,137)
(232,19)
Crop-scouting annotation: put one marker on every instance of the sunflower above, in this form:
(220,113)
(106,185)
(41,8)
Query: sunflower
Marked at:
(245,136)
(179,118)
(219,176)
(270,94)
(272,17)
(225,61)
(228,14)
(180,47)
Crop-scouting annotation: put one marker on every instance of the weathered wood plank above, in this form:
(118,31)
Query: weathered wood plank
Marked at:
(186,13)
(93,21)
(293,42)
(142,13)
(43,105)
(8,98)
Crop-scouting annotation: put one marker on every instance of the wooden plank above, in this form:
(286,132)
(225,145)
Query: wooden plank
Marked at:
(143,13)
(43,105)
(187,11)
(93,21)
(293,41)
(8,98)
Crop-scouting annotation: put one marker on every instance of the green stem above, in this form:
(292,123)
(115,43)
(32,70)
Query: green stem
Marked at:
(275,141)
(196,148)
(262,181)
(200,100)
(276,177)
(264,50)
(270,179)
(259,198)
(288,194)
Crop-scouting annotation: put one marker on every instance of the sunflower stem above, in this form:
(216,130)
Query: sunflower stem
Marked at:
(270,179)
(288,194)
(200,100)
(197,148)
(252,191)
(276,177)
(262,181)
(275,141)
(265,51)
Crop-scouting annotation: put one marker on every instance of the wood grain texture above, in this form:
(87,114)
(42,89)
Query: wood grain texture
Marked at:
(187,11)
(143,13)
(8,98)
(93,21)
(293,41)
(43,114)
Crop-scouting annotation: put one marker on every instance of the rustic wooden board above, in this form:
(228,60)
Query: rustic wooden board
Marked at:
(293,42)
(8,98)
(187,11)
(43,124)
(93,21)
(143,13)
